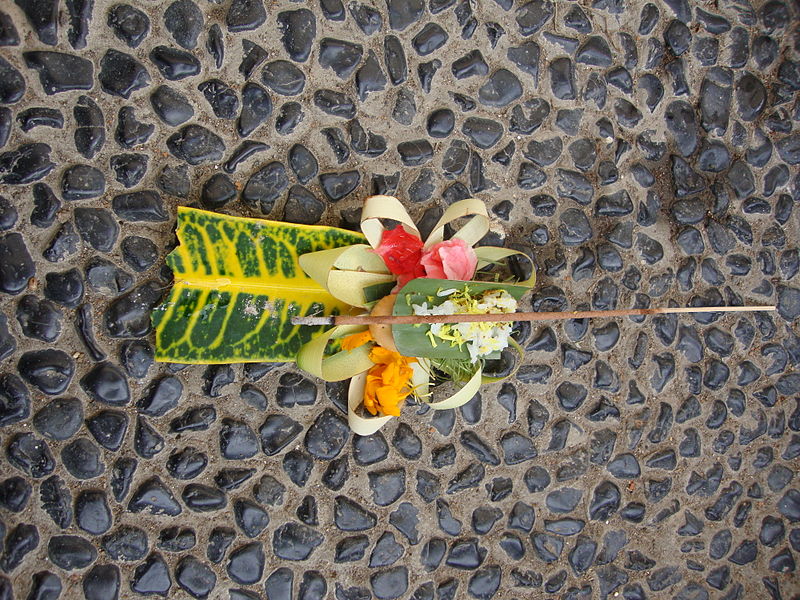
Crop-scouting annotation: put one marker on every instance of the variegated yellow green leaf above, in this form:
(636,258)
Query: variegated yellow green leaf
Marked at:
(237,285)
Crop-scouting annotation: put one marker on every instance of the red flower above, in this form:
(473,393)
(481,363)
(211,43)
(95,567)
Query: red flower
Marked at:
(402,252)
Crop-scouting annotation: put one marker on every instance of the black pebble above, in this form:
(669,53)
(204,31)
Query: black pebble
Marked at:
(121,74)
(59,419)
(48,370)
(174,64)
(252,57)
(138,252)
(221,97)
(8,32)
(196,145)
(184,20)
(83,459)
(244,15)
(25,164)
(97,227)
(129,169)
(59,72)
(129,24)
(107,384)
(40,117)
(217,191)
(171,106)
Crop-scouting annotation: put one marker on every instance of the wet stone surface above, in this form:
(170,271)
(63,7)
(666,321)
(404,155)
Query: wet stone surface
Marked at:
(645,154)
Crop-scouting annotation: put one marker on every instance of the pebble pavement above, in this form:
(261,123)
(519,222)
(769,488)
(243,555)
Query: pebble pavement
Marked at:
(642,153)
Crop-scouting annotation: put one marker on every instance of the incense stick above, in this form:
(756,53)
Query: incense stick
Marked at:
(519,316)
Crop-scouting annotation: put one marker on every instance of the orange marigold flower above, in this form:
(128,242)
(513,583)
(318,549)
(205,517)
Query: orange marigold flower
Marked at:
(353,341)
(387,382)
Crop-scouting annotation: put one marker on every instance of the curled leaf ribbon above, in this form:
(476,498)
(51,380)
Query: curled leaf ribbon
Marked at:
(357,276)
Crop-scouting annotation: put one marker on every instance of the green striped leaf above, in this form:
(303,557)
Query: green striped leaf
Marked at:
(237,286)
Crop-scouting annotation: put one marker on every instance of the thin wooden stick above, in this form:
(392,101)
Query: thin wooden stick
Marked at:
(520,316)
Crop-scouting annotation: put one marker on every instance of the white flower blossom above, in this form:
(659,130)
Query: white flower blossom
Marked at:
(480,338)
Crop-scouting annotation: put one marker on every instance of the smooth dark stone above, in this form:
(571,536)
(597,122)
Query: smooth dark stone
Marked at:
(252,56)
(129,24)
(151,577)
(14,494)
(469,65)
(109,428)
(532,16)
(40,117)
(751,96)
(8,32)
(333,10)
(195,577)
(129,168)
(283,78)
(71,552)
(429,39)
(64,244)
(20,541)
(396,64)
(220,187)
(370,77)
(562,79)
(203,498)
(44,586)
(43,18)
(171,106)
(81,182)
(404,13)
(60,419)
(681,124)
(338,185)
(293,541)
(138,252)
(92,513)
(245,15)
(289,117)
(500,89)
(48,370)
(82,459)
(58,72)
(187,463)
(8,214)
(25,164)
(221,97)
(594,51)
(256,108)
(415,153)
(184,20)
(367,18)
(174,64)
(38,319)
(121,74)
(334,103)
(196,145)
(97,227)
(484,133)
(789,149)
(174,181)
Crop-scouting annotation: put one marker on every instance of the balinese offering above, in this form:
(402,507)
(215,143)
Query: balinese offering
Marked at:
(241,285)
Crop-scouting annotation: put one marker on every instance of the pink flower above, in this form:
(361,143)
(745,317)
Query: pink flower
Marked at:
(451,259)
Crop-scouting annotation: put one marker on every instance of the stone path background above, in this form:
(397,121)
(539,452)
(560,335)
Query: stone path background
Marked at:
(640,152)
